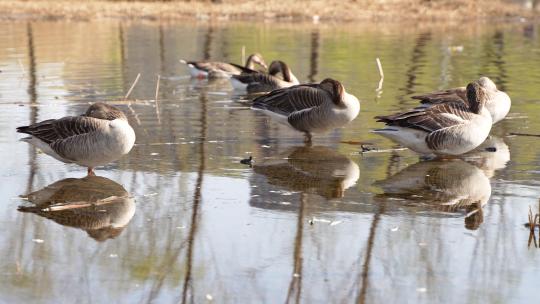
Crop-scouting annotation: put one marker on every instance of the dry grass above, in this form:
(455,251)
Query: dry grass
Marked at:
(324,10)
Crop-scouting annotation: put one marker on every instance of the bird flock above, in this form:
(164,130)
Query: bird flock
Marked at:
(446,123)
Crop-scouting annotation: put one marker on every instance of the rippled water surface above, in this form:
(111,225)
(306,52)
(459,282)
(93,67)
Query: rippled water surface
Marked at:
(181,220)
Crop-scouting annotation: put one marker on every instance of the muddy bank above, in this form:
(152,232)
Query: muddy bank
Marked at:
(323,11)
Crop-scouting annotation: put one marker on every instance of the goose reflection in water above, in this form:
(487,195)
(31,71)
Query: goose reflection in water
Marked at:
(98,205)
(318,170)
(450,186)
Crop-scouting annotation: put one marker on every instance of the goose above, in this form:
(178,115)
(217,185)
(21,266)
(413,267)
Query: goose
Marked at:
(96,138)
(448,186)
(257,82)
(310,108)
(449,128)
(319,170)
(216,69)
(98,205)
(498,102)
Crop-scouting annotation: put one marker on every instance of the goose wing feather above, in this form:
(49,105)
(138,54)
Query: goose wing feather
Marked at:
(430,119)
(294,99)
(67,136)
(213,66)
(450,95)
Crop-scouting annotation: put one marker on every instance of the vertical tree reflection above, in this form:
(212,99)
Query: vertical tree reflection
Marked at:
(32,96)
(196,199)
(314,57)
(295,287)
(417,58)
(369,250)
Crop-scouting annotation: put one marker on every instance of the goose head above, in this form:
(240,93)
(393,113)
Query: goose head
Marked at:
(477,97)
(278,66)
(487,83)
(255,59)
(335,89)
(104,111)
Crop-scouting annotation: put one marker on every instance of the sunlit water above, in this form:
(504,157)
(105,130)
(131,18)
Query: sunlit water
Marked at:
(189,223)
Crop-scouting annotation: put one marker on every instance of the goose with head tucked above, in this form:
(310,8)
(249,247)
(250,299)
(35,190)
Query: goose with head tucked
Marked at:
(450,128)
(257,82)
(98,205)
(217,69)
(310,108)
(96,138)
(498,102)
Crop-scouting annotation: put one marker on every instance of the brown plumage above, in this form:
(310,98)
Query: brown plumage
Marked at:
(447,128)
(258,82)
(95,204)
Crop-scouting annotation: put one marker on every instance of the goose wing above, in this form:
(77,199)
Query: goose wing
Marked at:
(68,135)
(292,99)
(451,95)
(243,69)
(214,66)
(430,119)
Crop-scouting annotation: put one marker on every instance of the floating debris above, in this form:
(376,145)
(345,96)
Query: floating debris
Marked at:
(421,289)
(39,241)
(296,275)
(333,223)
(113,255)
(394,229)
(209,297)
(456,48)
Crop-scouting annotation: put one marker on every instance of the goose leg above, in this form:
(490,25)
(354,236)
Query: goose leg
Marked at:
(91,171)
(307,138)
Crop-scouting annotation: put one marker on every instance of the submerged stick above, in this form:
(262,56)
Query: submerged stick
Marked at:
(132,86)
(156,98)
(525,134)
(83,204)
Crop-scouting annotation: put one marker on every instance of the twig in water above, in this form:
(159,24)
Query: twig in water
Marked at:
(132,86)
(381,73)
(129,103)
(525,134)
(533,219)
(156,99)
(22,68)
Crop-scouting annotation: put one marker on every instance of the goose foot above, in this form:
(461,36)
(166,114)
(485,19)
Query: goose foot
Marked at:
(91,171)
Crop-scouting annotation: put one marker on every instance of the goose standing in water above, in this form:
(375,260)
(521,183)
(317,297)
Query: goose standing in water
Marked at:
(257,82)
(498,102)
(216,69)
(96,138)
(310,108)
(449,128)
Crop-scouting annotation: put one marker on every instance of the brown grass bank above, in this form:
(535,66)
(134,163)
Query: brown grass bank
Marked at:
(300,10)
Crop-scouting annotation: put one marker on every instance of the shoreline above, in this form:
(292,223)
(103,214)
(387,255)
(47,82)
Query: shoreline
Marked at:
(331,11)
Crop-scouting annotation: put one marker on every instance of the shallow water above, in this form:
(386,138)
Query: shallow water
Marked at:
(189,223)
